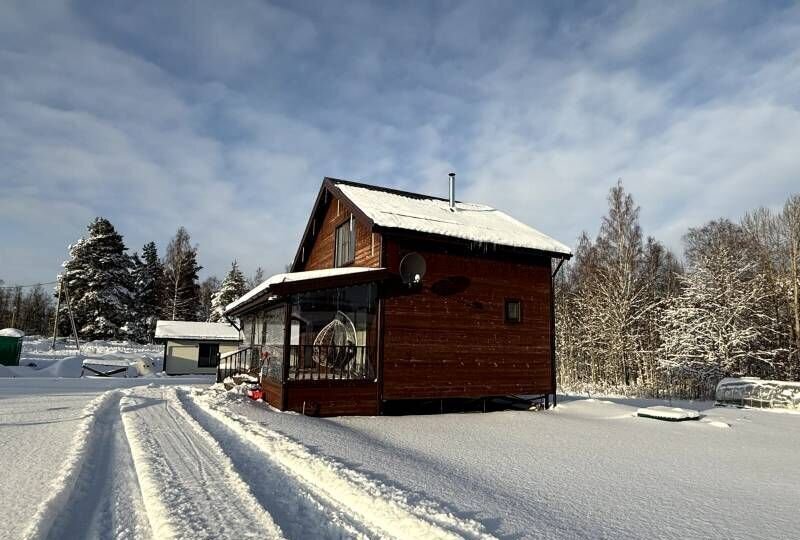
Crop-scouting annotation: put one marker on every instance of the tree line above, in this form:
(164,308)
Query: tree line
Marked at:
(31,308)
(635,319)
(115,295)
(632,317)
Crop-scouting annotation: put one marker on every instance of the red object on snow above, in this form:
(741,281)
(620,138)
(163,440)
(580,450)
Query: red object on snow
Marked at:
(255,394)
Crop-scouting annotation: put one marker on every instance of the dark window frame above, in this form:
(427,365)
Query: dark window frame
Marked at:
(351,222)
(506,317)
(212,360)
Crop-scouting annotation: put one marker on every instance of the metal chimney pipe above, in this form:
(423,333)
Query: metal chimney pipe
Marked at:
(452,176)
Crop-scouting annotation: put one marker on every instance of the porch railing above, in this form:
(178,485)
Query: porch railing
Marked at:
(331,362)
(246,360)
(306,362)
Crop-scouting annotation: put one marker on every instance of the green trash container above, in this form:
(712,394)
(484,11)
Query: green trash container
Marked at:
(10,346)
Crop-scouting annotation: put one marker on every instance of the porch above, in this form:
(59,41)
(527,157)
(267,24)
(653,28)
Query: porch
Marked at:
(262,361)
(313,349)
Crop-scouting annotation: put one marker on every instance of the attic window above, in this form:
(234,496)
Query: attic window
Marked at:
(345,248)
(513,311)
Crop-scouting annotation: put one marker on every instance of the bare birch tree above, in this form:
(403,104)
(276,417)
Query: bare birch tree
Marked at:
(182,298)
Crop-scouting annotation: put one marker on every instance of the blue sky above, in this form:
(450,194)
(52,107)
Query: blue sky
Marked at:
(225,116)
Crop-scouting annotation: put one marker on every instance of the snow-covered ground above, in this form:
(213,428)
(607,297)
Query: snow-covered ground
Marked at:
(164,457)
(587,469)
(39,359)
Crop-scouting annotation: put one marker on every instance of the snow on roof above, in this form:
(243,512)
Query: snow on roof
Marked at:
(195,330)
(11,332)
(263,289)
(469,221)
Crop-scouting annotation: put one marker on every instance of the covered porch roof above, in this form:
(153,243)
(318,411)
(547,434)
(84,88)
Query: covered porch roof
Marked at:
(294,282)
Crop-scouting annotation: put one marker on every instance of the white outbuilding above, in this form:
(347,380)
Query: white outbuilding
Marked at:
(194,347)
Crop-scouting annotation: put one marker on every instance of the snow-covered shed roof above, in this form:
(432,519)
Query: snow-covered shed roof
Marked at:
(395,209)
(267,286)
(196,330)
(11,332)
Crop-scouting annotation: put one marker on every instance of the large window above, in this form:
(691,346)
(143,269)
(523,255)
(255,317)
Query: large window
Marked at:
(208,355)
(345,250)
(265,333)
(332,333)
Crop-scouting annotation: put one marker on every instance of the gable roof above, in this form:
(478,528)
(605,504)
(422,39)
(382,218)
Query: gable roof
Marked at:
(388,209)
(395,209)
(196,330)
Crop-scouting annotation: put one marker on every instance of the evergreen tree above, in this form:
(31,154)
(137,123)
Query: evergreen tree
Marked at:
(148,293)
(98,279)
(233,286)
(208,288)
(136,326)
(182,298)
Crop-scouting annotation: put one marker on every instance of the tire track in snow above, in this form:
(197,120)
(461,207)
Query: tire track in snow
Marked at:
(382,511)
(75,469)
(298,512)
(106,501)
(190,488)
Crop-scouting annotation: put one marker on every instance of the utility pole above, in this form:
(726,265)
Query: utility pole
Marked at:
(55,325)
(71,318)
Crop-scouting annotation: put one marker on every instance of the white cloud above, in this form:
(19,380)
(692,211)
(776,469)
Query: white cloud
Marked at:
(225,118)
(551,158)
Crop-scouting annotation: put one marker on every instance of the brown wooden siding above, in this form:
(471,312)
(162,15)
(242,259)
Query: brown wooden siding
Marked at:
(451,340)
(273,392)
(324,398)
(320,254)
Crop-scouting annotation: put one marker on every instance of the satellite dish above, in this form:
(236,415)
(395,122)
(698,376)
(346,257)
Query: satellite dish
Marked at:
(412,269)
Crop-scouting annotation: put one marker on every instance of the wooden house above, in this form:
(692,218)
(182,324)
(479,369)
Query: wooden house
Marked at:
(195,347)
(401,296)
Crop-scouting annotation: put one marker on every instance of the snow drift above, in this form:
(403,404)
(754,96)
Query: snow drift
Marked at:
(672,414)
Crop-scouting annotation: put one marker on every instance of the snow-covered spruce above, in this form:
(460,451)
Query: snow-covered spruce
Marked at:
(233,287)
(97,276)
(147,274)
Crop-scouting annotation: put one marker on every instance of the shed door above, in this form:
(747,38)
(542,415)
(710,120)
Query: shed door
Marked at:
(208,355)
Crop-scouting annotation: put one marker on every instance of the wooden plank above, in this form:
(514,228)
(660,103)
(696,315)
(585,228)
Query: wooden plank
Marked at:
(332,398)
(273,392)
(320,252)
(450,338)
